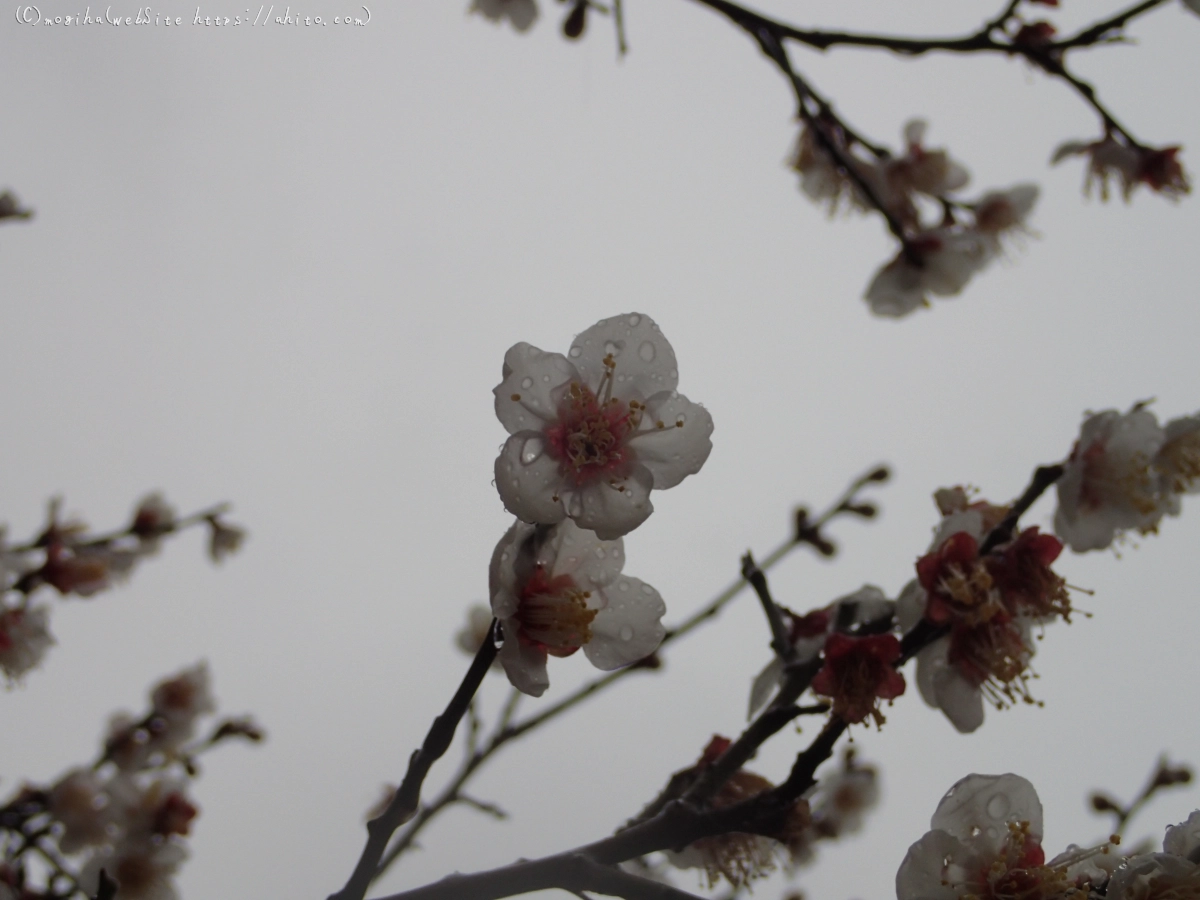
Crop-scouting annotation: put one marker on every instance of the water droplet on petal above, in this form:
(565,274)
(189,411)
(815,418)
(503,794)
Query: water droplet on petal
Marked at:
(545,378)
(647,590)
(997,806)
(600,553)
(575,506)
(575,352)
(635,319)
(623,585)
(527,382)
(531,450)
(611,348)
(626,632)
(647,351)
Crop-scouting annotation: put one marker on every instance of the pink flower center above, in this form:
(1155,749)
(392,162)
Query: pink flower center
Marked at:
(553,613)
(589,438)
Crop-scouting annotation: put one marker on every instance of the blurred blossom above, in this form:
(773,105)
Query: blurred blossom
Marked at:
(1110,159)
(521,14)
(24,639)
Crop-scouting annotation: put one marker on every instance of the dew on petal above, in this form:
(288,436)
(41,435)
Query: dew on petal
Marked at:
(647,351)
(611,349)
(576,352)
(527,382)
(634,320)
(532,449)
(626,632)
(647,590)
(997,806)
(600,553)
(623,586)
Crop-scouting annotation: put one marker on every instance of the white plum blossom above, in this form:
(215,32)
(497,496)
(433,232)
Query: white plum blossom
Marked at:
(1173,873)
(556,589)
(24,639)
(1178,461)
(998,213)
(985,841)
(1108,485)
(521,14)
(591,435)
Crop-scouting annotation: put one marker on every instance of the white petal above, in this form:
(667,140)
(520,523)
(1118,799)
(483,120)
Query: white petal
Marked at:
(502,578)
(612,510)
(525,665)
(1183,839)
(591,562)
(530,482)
(534,378)
(959,699)
(629,627)
(764,685)
(914,132)
(910,605)
(979,808)
(1070,148)
(645,362)
(680,447)
(921,874)
(896,290)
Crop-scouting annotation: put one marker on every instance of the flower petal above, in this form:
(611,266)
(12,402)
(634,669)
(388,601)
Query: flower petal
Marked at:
(526,398)
(577,552)
(979,808)
(524,664)
(629,627)
(530,482)
(674,440)
(613,509)
(645,362)
(921,874)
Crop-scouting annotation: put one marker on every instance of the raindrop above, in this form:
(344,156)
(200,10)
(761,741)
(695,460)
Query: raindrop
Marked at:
(611,348)
(647,590)
(545,378)
(998,806)
(531,450)
(623,586)
(600,553)
(634,320)
(576,352)
(626,632)
(526,382)
(646,351)
(575,506)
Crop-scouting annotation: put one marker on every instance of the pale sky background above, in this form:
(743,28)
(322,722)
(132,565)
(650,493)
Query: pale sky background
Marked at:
(281,267)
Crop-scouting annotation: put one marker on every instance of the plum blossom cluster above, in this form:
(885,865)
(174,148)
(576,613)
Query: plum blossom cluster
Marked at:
(986,842)
(988,605)
(935,259)
(66,558)
(1124,474)
(592,433)
(128,813)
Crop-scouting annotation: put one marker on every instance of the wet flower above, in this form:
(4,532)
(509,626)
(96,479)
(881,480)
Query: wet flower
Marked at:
(1000,213)
(177,703)
(592,435)
(822,179)
(24,639)
(1157,168)
(521,14)
(1178,460)
(144,869)
(922,170)
(985,843)
(858,673)
(556,589)
(1108,485)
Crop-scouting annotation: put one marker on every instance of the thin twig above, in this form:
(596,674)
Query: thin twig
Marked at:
(407,797)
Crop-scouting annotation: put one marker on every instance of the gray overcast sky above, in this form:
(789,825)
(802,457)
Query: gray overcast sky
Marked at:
(281,266)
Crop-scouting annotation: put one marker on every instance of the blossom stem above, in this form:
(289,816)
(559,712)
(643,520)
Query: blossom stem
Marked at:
(407,798)
(779,634)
